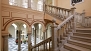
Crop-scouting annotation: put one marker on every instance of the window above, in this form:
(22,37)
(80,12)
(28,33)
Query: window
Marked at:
(37,5)
(76,1)
(40,5)
(20,3)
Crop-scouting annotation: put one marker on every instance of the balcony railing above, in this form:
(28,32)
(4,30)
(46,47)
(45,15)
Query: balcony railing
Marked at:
(58,12)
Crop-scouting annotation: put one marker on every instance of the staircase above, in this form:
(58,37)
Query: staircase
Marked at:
(80,41)
(66,36)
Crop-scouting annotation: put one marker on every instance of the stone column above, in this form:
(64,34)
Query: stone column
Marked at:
(44,32)
(44,2)
(19,40)
(54,36)
(29,3)
(5,43)
(29,41)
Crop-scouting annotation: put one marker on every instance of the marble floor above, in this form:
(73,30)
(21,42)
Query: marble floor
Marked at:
(14,47)
(24,47)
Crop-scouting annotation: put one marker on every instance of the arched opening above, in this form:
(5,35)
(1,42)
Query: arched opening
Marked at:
(49,30)
(37,33)
(18,37)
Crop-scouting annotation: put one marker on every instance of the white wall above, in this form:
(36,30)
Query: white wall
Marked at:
(12,30)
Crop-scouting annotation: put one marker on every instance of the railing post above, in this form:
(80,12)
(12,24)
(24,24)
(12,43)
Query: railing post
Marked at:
(54,37)
(73,13)
(83,17)
(44,32)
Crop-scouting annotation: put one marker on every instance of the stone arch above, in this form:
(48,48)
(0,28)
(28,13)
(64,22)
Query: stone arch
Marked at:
(49,24)
(38,22)
(10,22)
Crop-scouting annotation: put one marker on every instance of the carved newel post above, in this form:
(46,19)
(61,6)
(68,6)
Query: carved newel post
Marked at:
(54,36)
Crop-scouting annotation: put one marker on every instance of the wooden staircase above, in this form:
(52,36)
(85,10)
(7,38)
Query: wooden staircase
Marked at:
(80,41)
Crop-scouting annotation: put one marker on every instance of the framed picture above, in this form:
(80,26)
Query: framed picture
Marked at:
(76,1)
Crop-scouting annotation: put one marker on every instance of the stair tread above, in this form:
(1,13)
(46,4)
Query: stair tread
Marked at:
(82,37)
(83,28)
(82,33)
(77,47)
(80,42)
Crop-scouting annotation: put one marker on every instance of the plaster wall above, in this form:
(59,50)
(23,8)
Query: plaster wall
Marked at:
(85,5)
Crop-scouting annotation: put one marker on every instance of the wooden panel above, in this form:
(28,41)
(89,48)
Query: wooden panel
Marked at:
(20,15)
(30,16)
(38,17)
(5,20)
(29,20)
(5,14)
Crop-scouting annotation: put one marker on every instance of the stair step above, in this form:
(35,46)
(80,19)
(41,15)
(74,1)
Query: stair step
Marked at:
(75,48)
(66,49)
(82,34)
(83,30)
(79,43)
(79,38)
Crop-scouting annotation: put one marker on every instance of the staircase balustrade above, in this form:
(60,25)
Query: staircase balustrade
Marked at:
(64,30)
(43,46)
(82,20)
(60,31)
(58,12)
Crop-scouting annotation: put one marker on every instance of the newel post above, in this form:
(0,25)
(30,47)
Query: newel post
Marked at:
(74,19)
(83,18)
(54,36)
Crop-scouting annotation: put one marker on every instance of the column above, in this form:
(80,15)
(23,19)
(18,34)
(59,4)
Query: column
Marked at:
(54,36)
(44,39)
(29,41)
(35,38)
(29,3)
(19,40)
(5,43)
(44,2)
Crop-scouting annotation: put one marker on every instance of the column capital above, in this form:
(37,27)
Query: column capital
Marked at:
(5,35)
(29,33)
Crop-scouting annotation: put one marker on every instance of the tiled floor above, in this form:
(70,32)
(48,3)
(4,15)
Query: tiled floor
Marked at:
(24,47)
(14,47)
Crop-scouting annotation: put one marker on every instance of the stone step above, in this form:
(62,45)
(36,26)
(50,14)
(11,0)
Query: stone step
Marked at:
(79,43)
(82,34)
(83,30)
(83,39)
(75,48)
